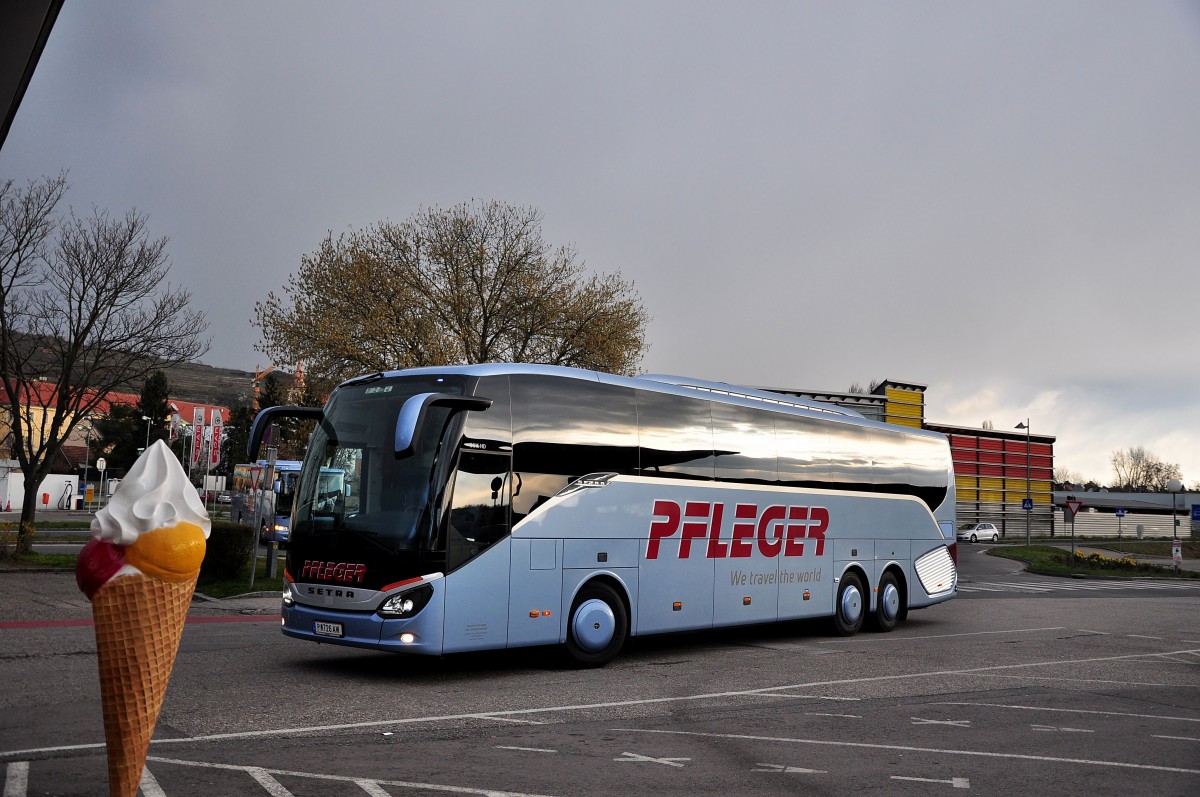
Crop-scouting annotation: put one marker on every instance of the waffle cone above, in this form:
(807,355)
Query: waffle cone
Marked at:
(139,621)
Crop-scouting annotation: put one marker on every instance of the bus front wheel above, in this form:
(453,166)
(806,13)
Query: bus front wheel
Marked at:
(851,605)
(598,626)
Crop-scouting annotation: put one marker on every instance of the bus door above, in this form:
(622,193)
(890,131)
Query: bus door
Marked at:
(478,516)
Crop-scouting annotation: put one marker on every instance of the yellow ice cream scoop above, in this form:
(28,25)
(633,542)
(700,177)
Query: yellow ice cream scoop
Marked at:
(172,554)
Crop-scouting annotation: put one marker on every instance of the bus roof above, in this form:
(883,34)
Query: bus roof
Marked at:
(720,392)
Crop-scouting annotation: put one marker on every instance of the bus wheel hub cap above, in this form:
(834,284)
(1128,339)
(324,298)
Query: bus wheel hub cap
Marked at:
(851,605)
(594,625)
(891,601)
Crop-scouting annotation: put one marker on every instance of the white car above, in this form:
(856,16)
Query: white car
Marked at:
(974,532)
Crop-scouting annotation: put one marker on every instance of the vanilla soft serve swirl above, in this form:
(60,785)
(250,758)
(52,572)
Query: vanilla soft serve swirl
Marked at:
(155,494)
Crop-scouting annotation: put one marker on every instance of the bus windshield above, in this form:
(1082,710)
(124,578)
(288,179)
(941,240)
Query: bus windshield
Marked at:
(354,493)
(285,491)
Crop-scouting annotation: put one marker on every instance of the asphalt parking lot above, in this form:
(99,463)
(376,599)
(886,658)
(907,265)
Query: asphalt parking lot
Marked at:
(1014,688)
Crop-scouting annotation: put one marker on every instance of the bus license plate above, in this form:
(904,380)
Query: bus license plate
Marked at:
(321,628)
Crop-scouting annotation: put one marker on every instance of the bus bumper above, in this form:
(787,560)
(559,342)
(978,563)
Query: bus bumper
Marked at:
(417,635)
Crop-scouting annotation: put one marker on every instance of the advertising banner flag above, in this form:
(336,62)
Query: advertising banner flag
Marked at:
(197,434)
(215,456)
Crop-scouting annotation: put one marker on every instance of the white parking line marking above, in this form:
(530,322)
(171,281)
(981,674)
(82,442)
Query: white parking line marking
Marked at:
(1036,587)
(955,723)
(958,783)
(1074,711)
(782,769)
(645,759)
(273,787)
(904,638)
(847,716)
(1059,730)
(1074,680)
(1143,636)
(525,749)
(372,788)
(16,779)
(912,749)
(872,679)
(1178,738)
(343,778)
(807,697)
(1098,633)
(149,785)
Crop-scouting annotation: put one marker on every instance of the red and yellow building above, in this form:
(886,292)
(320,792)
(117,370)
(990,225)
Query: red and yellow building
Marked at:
(994,471)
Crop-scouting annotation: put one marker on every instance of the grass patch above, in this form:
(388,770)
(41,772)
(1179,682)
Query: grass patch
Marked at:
(61,561)
(215,588)
(1053,561)
(228,587)
(1191,550)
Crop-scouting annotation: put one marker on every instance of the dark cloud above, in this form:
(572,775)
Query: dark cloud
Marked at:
(997,200)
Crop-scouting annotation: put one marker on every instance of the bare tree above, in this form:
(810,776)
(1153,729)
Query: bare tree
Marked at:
(475,283)
(1064,475)
(83,312)
(1138,470)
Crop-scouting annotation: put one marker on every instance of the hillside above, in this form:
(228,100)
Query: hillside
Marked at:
(206,384)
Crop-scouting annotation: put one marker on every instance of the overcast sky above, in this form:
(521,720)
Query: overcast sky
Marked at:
(998,200)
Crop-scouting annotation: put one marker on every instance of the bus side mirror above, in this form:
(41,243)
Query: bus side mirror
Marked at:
(270,415)
(412,415)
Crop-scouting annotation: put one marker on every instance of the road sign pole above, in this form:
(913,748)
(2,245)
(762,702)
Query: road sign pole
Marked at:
(1073,506)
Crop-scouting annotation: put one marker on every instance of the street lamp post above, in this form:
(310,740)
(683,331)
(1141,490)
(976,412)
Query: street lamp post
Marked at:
(1174,487)
(1028,489)
(147,419)
(87,457)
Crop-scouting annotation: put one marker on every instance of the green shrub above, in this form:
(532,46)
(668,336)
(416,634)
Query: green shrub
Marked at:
(227,554)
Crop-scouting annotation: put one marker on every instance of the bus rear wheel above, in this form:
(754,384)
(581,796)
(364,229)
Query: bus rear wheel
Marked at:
(598,626)
(887,603)
(850,608)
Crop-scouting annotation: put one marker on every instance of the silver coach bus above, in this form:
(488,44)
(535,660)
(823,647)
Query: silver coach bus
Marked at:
(495,506)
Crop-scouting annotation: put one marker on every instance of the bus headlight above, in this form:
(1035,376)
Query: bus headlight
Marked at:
(407,603)
(288,600)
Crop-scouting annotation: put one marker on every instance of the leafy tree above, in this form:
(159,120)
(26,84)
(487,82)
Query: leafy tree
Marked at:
(1138,470)
(83,312)
(237,432)
(471,284)
(155,404)
(123,434)
(122,437)
(292,435)
(272,393)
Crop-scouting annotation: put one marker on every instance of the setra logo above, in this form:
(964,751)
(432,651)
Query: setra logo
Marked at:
(775,530)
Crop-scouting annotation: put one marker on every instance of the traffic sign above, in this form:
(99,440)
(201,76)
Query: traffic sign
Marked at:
(1073,507)
(101,464)
(1120,513)
(1196,513)
(1027,504)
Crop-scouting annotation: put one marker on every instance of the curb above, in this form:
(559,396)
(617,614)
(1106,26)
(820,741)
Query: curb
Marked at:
(200,596)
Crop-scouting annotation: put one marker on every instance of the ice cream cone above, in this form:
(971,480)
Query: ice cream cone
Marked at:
(139,622)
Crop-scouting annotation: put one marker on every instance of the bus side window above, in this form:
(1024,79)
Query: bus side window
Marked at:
(479,506)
